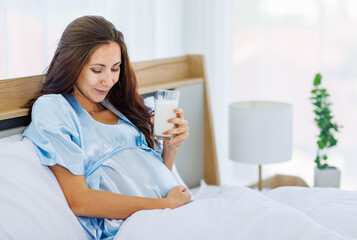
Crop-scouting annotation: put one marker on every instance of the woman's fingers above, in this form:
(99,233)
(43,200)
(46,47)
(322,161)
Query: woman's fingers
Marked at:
(179,112)
(178,121)
(180,130)
(182,188)
(176,131)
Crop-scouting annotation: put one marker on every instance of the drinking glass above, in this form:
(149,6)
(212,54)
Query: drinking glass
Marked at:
(165,103)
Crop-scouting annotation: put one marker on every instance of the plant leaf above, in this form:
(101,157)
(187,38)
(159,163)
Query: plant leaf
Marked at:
(317,104)
(321,144)
(332,141)
(317,80)
(324,166)
(317,161)
(317,112)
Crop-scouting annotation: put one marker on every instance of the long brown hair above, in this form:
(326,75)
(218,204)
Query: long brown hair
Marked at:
(78,42)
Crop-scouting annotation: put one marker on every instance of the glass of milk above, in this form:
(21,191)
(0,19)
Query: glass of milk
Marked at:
(165,103)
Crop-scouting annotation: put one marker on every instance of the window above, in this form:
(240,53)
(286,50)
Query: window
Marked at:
(279,46)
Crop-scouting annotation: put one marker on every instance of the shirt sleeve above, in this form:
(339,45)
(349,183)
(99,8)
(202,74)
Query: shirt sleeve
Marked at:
(55,130)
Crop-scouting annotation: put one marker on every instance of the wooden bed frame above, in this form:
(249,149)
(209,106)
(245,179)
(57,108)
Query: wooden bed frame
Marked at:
(151,75)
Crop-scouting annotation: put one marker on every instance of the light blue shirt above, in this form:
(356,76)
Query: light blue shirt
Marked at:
(114,158)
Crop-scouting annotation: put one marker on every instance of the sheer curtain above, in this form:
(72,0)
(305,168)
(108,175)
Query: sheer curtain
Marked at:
(208,28)
(30,30)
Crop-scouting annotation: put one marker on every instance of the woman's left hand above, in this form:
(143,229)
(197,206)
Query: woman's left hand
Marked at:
(179,132)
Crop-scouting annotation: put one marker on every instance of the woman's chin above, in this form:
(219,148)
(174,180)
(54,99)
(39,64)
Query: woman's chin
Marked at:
(98,99)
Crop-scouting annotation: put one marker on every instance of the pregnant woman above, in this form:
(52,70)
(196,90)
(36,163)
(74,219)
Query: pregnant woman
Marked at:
(92,129)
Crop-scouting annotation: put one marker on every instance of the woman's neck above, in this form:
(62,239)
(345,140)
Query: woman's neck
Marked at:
(90,106)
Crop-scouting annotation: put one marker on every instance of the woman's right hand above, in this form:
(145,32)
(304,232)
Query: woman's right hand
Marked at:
(178,196)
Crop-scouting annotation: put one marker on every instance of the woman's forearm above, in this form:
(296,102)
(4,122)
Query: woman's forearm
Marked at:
(169,156)
(102,204)
(87,202)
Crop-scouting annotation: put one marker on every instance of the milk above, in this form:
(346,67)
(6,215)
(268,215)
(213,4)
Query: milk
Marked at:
(164,110)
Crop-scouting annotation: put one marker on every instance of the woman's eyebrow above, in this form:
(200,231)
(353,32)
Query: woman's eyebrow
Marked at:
(103,65)
(97,64)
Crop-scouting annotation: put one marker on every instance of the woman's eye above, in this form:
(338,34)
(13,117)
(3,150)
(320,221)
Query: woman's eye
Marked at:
(115,69)
(95,70)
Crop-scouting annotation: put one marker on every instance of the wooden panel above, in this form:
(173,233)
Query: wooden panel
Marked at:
(170,85)
(211,169)
(13,113)
(14,94)
(157,72)
(196,63)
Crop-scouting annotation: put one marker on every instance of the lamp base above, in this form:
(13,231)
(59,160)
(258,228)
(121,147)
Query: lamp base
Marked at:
(260,178)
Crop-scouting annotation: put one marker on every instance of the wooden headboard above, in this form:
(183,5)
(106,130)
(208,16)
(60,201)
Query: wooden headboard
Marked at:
(179,72)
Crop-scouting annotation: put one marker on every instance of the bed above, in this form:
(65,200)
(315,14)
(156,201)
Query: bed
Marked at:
(32,205)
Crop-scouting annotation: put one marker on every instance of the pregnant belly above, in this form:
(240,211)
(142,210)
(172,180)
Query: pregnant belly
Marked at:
(136,172)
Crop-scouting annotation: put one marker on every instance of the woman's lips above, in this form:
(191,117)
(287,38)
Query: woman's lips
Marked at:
(102,92)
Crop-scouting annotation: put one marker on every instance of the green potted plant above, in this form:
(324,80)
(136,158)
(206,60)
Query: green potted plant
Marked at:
(325,175)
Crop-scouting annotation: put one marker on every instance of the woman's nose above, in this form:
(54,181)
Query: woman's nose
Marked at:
(108,79)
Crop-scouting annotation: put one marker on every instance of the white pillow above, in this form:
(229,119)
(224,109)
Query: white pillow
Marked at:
(32,204)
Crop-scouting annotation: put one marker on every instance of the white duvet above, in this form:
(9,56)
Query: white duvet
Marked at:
(333,208)
(234,213)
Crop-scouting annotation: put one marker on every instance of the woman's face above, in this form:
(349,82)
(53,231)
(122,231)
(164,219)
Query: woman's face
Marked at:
(100,73)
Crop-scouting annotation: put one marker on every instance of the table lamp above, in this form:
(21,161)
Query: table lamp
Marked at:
(260,133)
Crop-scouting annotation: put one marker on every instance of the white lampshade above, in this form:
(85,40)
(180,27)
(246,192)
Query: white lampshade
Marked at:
(260,132)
